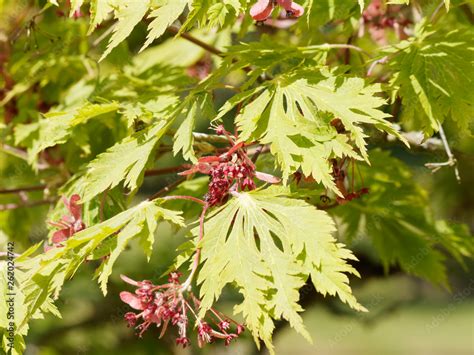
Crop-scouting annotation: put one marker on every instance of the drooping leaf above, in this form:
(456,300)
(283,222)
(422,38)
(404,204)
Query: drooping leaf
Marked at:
(163,17)
(128,15)
(124,162)
(431,73)
(42,277)
(293,113)
(267,245)
(143,226)
(195,107)
(57,127)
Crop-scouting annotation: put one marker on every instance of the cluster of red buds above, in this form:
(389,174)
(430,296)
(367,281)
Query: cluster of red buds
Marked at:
(165,305)
(69,224)
(230,170)
(263,9)
(377,18)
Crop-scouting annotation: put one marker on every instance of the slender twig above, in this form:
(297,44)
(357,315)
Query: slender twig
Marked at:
(211,49)
(169,170)
(14,206)
(167,188)
(347,52)
(335,45)
(436,11)
(22,189)
(257,153)
(417,139)
(451,159)
(210,138)
(181,197)
(103,36)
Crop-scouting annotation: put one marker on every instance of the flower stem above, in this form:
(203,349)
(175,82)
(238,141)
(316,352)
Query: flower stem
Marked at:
(180,197)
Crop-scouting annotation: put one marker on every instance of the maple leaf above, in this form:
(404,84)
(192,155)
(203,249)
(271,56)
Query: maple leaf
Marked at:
(43,275)
(194,107)
(142,225)
(267,245)
(57,127)
(163,17)
(431,73)
(293,114)
(128,15)
(125,161)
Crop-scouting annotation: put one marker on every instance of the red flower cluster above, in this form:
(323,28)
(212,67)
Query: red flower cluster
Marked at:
(69,224)
(165,304)
(264,8)
(231,170)
(223,176)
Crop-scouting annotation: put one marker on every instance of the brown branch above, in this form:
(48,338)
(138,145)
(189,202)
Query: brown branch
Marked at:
(211,49)
(14,206)
(169,170)
(257,153)
(167,188)
(22,189)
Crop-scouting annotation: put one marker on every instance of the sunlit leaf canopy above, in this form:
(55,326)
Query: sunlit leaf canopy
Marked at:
(99,95)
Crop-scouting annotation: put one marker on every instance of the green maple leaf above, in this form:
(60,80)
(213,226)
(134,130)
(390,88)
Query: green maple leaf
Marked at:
(267,245)
(163,14)
(128,15)
(163,17)
(195,107)
(143,226)
(212,13)
(125,161)
(396,218)
(99,11)
(42,277)
(293,114)
(56,127)
(432,72)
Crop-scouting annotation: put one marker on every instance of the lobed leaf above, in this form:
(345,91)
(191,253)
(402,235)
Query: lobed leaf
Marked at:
(431,73)
(267,245)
